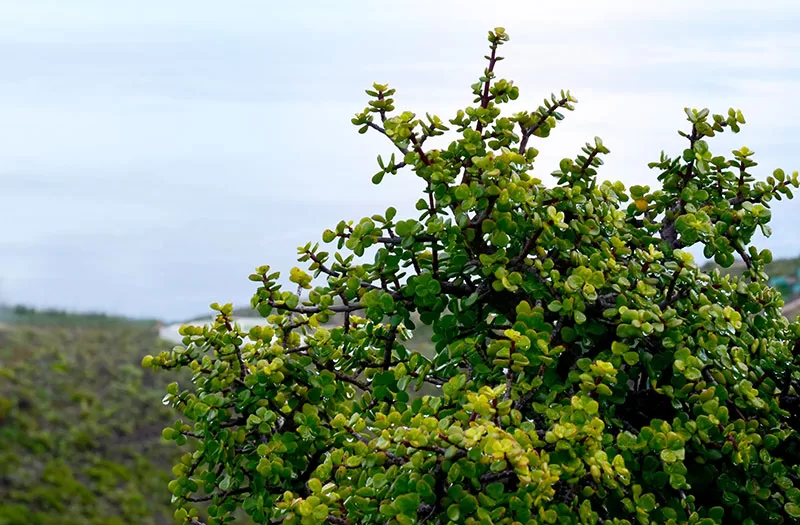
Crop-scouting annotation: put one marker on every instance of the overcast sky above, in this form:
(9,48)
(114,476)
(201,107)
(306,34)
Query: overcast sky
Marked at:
(152,153)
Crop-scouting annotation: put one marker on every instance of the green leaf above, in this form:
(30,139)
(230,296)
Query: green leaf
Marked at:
(792,509)
(554,306)
(647,502)
(407,504)
(500,238)
(315,485)
(328,235)
(631,358)
(305,508)
(453,512)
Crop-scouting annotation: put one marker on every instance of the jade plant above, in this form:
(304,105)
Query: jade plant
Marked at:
(584,368)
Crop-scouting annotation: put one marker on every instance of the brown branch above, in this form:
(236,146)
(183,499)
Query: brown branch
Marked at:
(415,263)
(316,309)
(743,255)
(458,290)
(669,232)
(418,148)
(673,282)
(487,84)
(589,160)
(229,327)
(740,185)
(322,267)
(227,494)
(350,379)
(387,351)
(495,476)
(490,72)
(671,300)
(436,381)
(760,380)
(382,111)
(313,462)
(523,400)
(527,248)
(528,132)
(382,130)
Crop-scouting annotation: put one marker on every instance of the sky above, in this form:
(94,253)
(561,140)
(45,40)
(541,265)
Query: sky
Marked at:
(152,153)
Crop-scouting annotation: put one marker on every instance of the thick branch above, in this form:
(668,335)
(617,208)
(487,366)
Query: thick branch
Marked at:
(743,255)
(352,380)
(387,351)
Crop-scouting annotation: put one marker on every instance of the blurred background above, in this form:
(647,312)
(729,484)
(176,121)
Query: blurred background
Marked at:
(153,153)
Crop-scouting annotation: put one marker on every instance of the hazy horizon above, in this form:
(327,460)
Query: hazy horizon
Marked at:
(153,155)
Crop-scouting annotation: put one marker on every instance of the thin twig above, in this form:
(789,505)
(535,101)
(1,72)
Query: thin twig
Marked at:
(382,130)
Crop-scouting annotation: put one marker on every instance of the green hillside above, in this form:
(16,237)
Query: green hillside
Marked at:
(81,422)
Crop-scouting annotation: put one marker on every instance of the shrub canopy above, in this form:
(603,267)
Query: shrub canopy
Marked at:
(585,369)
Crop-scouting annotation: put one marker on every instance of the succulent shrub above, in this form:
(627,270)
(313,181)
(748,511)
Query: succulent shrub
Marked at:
(585,369)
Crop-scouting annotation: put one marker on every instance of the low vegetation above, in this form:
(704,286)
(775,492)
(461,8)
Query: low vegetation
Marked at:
(81,422)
